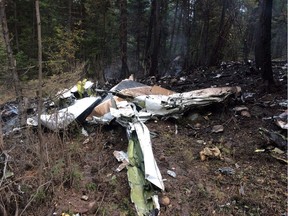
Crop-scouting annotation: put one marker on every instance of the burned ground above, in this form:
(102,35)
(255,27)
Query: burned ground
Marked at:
(75,166)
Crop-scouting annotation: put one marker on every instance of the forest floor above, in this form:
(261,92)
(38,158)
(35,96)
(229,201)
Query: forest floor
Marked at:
(256,185)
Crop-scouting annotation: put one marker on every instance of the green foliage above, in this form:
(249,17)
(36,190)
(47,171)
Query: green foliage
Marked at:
(61,49)
(91,186)
(80,87)
(75,176)
(113,181)
(101,38)
(40,196)
(58,168)
(89,32)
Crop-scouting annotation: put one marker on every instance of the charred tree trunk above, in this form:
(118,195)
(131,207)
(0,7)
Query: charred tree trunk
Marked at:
(12,63)
(263,42)
(123,38)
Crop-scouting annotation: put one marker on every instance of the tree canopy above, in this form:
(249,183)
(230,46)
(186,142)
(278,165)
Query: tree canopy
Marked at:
(117,37)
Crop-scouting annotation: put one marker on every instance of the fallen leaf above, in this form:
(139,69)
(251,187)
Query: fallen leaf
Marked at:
(210,152)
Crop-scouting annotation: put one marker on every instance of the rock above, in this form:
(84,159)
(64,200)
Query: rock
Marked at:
(245,113)
(201,142)
(162,157)
(217,129)
(165,201)
(84,197)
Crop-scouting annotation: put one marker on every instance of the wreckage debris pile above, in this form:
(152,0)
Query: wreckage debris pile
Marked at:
(131,104)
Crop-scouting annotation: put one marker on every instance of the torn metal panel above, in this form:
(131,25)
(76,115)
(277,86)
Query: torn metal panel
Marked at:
(9,116)
(142,193)
(282,120)
(274,138)
(180,102)
(123,157)
(62,118)
(126,89)
(146,90)
(152,172)
(128,117)
(142,169)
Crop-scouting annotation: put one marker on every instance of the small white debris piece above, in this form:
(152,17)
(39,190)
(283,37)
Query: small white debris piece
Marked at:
(171,173)
(217,128)
(84,197)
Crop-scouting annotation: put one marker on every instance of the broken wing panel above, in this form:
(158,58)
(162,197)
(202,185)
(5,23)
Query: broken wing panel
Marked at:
(152,172)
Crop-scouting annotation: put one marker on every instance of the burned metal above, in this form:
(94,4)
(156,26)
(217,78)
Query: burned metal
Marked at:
(274,138)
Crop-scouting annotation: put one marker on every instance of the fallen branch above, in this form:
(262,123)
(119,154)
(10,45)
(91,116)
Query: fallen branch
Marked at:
(100,203)
(5,167)
(33,197)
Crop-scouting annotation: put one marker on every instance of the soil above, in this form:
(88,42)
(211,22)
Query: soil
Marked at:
(255,185)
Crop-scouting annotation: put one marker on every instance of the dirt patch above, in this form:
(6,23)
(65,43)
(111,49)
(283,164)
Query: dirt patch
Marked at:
(81,178)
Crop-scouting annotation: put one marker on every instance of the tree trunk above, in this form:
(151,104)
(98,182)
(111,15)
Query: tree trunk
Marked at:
(1,136)
(123,38)
(263,45)
(156,38)
(174,46)
(164,34)
(12,63)
(224,29)
(149,41)
(206,31)
(138,35)
(187,31)
(41,143)
(173,27)
(16,27)
(70,15)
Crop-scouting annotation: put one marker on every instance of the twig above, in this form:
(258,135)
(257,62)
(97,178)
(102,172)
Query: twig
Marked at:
(100,203)
(16,206)
(33,197)
(5,167)
(1,135)
(23,177)
(3,210)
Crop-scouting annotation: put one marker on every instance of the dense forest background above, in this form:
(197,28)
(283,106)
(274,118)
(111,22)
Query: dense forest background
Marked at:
(112,39)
